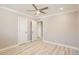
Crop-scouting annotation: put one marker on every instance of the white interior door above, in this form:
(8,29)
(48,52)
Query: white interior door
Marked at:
(34,30)
(22,29)
(40,29)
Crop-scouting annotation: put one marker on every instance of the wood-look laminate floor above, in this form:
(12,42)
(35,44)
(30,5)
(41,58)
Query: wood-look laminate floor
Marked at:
(37,48)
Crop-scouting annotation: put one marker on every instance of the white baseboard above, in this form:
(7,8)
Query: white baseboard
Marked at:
(8,47)
(12,46)
(75,48)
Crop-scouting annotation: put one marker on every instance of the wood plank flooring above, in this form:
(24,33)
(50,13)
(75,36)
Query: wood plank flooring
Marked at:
(37,48)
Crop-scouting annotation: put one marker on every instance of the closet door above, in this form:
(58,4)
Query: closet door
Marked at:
(22,29)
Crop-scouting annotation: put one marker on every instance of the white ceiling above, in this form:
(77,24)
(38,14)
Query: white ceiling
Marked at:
(52,8)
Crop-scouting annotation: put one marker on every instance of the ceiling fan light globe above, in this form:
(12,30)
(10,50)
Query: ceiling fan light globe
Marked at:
(38,12)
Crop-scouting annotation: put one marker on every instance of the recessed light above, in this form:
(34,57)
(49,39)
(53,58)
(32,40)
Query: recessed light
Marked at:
(61,8)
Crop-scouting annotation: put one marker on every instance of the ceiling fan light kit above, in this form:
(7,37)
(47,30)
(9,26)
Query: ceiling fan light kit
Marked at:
(38,12)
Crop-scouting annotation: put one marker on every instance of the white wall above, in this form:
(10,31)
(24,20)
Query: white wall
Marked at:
(61,29)
(8,28)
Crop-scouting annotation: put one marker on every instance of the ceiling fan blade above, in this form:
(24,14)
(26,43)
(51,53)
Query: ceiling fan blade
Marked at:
(44,8)
(30,10)
(34,6)
(42,12)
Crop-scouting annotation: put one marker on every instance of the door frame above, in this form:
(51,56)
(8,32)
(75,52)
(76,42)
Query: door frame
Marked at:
(33,31)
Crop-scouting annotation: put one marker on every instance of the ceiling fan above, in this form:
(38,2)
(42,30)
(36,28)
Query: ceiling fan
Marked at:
(38,11)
